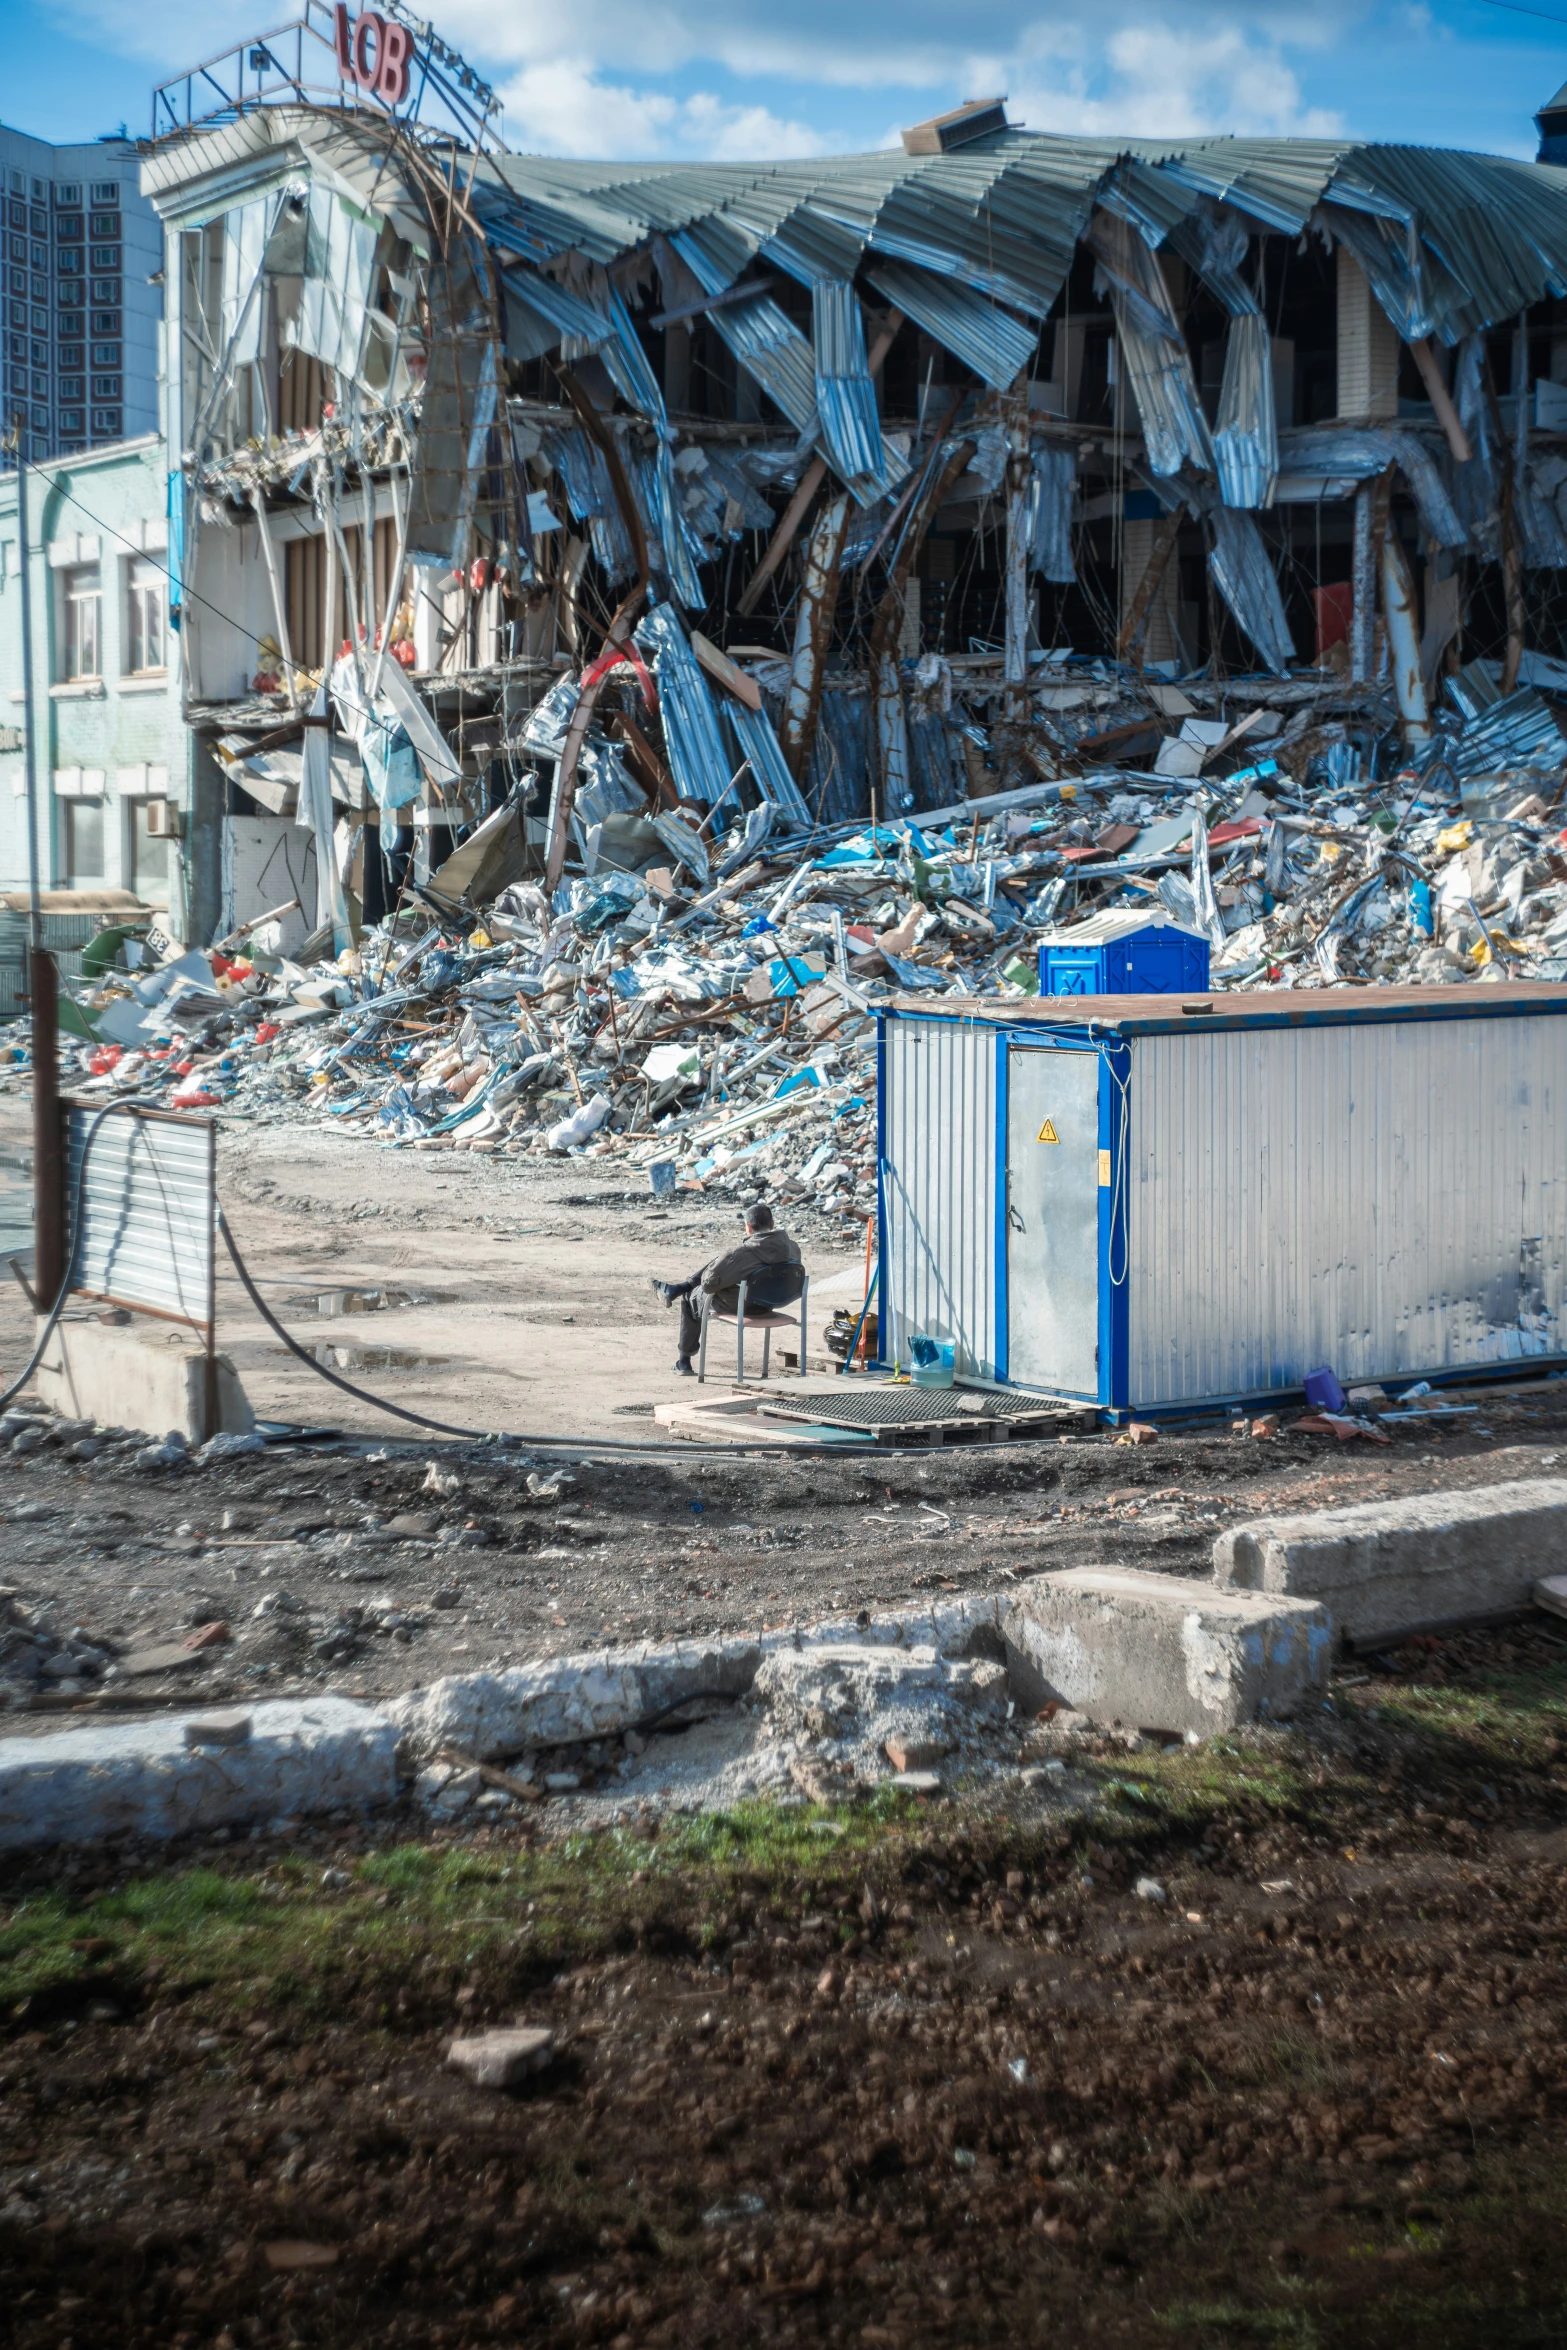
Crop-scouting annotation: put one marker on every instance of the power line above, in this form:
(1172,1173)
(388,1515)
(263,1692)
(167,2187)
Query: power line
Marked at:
(1515,8)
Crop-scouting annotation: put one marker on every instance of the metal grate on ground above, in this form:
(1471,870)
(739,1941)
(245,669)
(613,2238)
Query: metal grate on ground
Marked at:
(913,1407)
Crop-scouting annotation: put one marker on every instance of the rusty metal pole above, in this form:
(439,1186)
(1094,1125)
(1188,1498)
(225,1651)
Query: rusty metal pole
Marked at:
(42,980)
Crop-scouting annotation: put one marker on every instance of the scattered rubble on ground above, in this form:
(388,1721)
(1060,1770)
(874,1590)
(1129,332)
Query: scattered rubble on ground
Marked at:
(708,1019)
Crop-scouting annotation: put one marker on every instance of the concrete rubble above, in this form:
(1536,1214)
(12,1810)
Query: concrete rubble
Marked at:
(1386,1567)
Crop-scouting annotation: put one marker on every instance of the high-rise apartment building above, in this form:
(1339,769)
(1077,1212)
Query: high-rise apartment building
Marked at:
(79,319)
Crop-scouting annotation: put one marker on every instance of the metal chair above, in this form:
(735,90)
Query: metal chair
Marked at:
(754,1310)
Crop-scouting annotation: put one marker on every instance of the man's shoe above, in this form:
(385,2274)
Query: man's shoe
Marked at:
(683,1366)
(664,1291)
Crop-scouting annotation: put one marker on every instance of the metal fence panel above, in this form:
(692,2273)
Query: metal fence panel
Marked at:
(146,1209)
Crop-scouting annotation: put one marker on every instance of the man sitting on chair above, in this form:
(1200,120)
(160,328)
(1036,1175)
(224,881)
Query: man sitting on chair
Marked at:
(764,1250)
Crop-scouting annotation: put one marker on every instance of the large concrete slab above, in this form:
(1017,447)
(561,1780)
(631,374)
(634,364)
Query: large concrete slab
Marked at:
(144,1779)
(1157,1652)
(1381,1567)
(139,1374)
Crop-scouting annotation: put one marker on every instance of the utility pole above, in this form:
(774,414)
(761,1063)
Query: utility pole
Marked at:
(42,979)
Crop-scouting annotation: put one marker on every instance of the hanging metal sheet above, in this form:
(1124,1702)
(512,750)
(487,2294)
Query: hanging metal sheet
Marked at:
(985,337)
(845,395)
(145,1210)
(1051,491)
(1244,575)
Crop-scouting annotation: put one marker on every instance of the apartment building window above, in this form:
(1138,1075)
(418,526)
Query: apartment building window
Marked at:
(68,195)
(68,229)
(106,322)
(103,257)
(105,224)
(72,419)
(106,355)
(83,843)
(68,261)
(105,387)
(144,588)
(105,289)
(106,423)
(106,191)
(72,387)
(82,589)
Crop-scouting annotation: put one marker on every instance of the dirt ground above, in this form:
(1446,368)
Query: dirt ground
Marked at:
(878,2073)
(1268,2046)
(527,1286)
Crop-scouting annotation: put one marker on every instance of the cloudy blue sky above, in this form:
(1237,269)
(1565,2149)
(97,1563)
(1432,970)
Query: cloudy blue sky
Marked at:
(739,78)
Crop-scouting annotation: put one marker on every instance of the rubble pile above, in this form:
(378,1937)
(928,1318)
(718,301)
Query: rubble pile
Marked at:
(699,1004)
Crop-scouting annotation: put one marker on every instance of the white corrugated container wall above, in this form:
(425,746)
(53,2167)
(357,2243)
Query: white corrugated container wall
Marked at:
(1385,1197)
(939,1175)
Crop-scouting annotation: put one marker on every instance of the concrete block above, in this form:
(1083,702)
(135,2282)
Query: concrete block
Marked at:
(141,1778)
(1157,1652)
(563,1699)
(1381,1567)
(139,1374)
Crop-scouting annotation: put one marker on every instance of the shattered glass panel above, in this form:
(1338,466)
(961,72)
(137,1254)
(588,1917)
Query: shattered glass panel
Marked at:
(339,254)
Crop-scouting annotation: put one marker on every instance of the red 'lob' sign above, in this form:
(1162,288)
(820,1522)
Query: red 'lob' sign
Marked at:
(374,54)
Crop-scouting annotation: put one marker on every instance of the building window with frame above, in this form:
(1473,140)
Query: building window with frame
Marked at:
(82,825)
(82,592)
(144,591)
(147,854)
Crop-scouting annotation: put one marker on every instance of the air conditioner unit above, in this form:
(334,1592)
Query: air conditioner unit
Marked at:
(163,820)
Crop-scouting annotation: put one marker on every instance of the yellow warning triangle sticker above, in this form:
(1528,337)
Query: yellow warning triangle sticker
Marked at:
(1047,1133)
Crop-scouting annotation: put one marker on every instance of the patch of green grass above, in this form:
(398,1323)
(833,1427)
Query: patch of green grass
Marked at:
(420,1915)
(1231,2318)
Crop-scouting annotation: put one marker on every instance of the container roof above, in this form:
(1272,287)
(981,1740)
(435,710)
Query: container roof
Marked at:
(1270,1007)
(1118,922)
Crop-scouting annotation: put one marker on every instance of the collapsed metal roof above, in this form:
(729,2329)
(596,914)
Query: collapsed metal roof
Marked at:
(1452,242)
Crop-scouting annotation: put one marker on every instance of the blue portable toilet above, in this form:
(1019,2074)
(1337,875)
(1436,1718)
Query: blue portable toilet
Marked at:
(1134,950)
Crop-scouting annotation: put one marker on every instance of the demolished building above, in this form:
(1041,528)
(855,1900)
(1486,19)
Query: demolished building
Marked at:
(633,620)
(613,495)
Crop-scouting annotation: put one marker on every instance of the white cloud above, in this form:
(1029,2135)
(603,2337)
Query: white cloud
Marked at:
(614,77)
(561,107)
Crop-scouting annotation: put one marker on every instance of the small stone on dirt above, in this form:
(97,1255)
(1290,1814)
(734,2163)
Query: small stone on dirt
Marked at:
(502,2058)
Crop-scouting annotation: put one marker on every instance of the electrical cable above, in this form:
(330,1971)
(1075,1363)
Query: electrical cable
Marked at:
(58,1308)
(576,1447)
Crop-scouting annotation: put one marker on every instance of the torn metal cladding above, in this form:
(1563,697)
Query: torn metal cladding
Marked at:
(443,412)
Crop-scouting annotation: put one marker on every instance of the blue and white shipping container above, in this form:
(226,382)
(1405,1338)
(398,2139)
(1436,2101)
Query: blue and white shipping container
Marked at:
(1157,1204)
(1129,950)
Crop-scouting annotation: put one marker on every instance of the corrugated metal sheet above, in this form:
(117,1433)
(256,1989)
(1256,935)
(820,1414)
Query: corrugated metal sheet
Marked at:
(1388,1199)
(146,1211)
(1051,489)
(985,337)
(938,1189)
(1158,364)
(756,741)
(1246,438)
(845,395)
(696,755)
(1244,575)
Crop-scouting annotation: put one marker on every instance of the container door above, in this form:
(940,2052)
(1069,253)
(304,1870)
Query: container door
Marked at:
(1053,1220)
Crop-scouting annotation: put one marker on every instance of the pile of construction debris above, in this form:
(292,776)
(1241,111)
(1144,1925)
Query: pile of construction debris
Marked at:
(698,1000)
